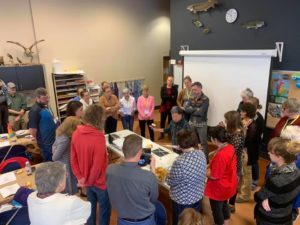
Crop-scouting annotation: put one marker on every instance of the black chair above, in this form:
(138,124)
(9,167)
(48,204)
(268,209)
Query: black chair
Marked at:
(18,216)
(15,151)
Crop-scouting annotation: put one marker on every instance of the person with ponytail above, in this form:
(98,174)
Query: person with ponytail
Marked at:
(274,201)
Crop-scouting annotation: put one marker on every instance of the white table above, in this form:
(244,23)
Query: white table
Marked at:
(165,161)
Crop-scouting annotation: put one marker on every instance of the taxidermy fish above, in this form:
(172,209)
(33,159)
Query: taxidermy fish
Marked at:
(197,23)
(253,24)
(202,6)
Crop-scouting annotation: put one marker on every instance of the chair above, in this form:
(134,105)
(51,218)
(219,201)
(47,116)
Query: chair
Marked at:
(12,164)
(15,217)
(15,151)
(160,214)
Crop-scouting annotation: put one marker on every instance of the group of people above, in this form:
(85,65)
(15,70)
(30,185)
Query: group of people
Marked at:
(78,149)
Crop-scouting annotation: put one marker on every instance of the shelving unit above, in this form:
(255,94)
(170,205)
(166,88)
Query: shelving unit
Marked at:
(65,88)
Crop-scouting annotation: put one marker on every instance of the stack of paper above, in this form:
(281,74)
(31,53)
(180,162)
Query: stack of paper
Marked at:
(9,190)
(7,177)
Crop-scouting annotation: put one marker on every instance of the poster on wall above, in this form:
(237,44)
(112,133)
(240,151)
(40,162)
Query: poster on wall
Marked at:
(282,86)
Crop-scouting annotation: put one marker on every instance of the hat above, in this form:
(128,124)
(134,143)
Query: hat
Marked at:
(11,85)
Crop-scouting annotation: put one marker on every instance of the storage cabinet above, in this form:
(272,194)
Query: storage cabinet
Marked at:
(26,78)
(65,88)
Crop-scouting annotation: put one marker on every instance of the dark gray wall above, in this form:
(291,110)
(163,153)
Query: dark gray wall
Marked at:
(282,18)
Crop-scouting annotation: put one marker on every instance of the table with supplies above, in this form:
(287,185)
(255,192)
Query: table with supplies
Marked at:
(22,137)
(164,157)
(11,181)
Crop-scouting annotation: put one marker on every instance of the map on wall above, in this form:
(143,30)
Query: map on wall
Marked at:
(280,86)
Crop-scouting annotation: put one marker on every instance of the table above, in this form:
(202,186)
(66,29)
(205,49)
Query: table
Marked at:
(22,180)
(165,161)
(16,141)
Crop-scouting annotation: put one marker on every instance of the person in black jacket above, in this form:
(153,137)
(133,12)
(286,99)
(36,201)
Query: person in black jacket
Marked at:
(3,107)
(275,199)
(260,125)
(252,142)
(168,94)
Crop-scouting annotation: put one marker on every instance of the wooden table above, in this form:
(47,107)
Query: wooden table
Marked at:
(22,180)
(165,161)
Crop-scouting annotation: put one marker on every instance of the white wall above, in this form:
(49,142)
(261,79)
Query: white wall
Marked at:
(109,39)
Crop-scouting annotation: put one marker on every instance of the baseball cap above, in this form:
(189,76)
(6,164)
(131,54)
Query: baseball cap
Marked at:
(11,85)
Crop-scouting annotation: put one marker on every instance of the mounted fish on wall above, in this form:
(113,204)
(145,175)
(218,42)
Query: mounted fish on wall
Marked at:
(255,24)
(202,7)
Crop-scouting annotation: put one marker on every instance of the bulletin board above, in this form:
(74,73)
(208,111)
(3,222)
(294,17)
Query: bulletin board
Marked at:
(283,85)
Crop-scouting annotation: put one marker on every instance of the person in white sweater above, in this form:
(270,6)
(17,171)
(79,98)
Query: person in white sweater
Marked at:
(47,206)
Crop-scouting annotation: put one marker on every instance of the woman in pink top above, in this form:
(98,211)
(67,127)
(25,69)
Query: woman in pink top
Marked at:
(145,107)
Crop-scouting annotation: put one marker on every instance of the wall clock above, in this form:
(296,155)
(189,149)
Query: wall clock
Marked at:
(231,15)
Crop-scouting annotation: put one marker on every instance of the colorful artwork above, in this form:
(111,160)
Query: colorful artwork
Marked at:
(280,86)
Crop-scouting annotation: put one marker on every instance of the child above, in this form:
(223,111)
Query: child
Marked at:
(275,198)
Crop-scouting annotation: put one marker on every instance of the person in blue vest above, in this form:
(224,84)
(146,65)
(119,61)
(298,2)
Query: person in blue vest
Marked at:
(42,124)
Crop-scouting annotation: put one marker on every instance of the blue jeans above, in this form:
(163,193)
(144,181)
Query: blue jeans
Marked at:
(94,196)
(46,151)
(127,122)
(149,221)
(177,209)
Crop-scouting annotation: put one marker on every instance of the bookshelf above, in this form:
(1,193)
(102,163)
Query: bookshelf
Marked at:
(65,88)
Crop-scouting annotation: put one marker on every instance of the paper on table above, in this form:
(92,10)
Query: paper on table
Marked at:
(7,177)
(9,190)
(119,142)
(4,143)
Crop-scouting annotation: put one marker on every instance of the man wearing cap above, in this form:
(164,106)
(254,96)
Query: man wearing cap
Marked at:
(16,107)
(177,124)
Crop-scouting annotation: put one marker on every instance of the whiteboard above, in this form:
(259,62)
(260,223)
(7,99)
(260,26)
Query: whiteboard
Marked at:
(224,77)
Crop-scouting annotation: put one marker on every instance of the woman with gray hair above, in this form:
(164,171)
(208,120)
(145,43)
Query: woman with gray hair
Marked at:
(48,206)
(127,109)
(245,95)
(290,116)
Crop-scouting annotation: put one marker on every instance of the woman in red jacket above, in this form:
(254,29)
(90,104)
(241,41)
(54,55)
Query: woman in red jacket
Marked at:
(222,176)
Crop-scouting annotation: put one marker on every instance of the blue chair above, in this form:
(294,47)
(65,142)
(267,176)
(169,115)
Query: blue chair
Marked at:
(15,217)
(160,214)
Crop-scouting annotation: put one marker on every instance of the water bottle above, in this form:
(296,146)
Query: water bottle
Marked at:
(28,169)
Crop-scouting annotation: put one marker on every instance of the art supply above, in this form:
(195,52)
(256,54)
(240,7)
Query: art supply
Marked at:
(7,177)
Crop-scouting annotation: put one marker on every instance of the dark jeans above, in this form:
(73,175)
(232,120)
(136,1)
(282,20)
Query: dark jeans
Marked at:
(202,135)
(127,122)
(149,221)
(232,199)
(163,118)
(110,125)
(220,211)
(142,124)
(95,196)
(255,171)
(46,151)
(177,209)
(3,117)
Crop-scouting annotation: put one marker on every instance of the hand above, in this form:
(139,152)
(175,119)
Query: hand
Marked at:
(81,182)
(208,173)
(182,108)
(222,124)
(152,164)
(17,118)
(265,205)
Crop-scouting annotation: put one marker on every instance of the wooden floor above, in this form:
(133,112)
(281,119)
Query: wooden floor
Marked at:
(244,211)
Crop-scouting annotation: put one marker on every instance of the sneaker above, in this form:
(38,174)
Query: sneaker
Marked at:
(241,200)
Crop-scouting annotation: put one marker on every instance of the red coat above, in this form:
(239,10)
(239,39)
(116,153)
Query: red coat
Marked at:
(223,169)
(282,124)
(89,158)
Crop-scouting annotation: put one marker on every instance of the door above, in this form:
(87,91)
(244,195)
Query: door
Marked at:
(30,77)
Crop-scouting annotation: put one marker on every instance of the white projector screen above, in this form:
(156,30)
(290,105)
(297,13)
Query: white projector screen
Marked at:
(224,74)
